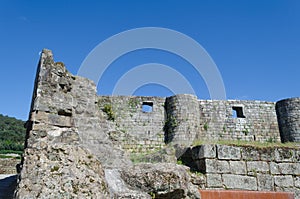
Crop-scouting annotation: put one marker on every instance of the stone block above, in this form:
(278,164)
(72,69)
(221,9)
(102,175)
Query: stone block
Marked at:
(204,151)
(214,180)
(237,167)
(267,154)
(254,167)
(289,168)
(285,168)
(216,166)
(297,155)
(284,181)
(228,152)
(250,154)
(284,155)
(274,168)
(239,182)
(52,119)
(265,182)
(297,181)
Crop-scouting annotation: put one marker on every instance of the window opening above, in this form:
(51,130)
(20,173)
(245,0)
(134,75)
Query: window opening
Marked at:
(147,107)
(237,112)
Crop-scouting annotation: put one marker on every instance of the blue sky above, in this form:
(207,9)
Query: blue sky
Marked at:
(255,43)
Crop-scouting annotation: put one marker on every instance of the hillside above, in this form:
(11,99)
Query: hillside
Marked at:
(12,135)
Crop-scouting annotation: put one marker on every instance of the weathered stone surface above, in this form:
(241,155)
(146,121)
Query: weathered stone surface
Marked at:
(199,180)
(284,155)
(254,167)
(250,154)
(8,165)
(288,119)
(204,151)
(119,189)
(216,166)
(297,181)
(163,180)
(285,168)
(214,180)
(56,172)
(274,168)
(267,154)
(237,167)
(228,152)
(257,122)
(239,182)
(289,168)
(284,181)
(265,182)
(73,135)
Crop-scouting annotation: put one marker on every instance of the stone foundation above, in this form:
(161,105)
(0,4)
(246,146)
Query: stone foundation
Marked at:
(247,168)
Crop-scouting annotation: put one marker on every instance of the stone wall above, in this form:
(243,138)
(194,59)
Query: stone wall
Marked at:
(288,114)
(248,168)
(57,161)
(138,130)
(75,142)
(183,119)
(71,150)
(9,165)
(253,121)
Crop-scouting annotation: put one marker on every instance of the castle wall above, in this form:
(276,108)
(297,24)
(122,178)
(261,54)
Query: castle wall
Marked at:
(254,120)
(248,168)
(288,114)
(74,137)
(183,119)
(136,129)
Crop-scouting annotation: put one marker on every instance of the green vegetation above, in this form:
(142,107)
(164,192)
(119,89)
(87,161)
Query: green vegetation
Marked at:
(179,162)
(55,168)
(170,124)
(133,104)
(109,112)
(271,140)
(205,126)
(12,135)
(152,195)
(246,132)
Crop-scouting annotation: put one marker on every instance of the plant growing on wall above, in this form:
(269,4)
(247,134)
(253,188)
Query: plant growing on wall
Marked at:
(170,124)
(109,112)
(205,126)
(133,103)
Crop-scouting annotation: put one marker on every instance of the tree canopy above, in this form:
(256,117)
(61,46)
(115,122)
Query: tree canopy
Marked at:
(12,134)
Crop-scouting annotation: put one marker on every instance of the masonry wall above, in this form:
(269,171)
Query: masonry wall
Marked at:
(183,119)
(248,168)
(255,120)
(288,114)
(136,129)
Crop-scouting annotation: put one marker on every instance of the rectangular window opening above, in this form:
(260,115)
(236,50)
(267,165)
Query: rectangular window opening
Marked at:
(147,107)
(237,112)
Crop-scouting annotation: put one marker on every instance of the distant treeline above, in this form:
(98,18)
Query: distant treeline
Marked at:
(12,135)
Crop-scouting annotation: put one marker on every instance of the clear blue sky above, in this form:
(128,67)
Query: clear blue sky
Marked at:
(254,43)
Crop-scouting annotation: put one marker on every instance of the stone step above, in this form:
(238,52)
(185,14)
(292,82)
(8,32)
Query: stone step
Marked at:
(7,185)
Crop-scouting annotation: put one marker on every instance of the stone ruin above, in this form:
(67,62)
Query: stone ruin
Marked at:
(80,145)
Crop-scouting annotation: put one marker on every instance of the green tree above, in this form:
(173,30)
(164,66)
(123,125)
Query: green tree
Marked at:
(12,134)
